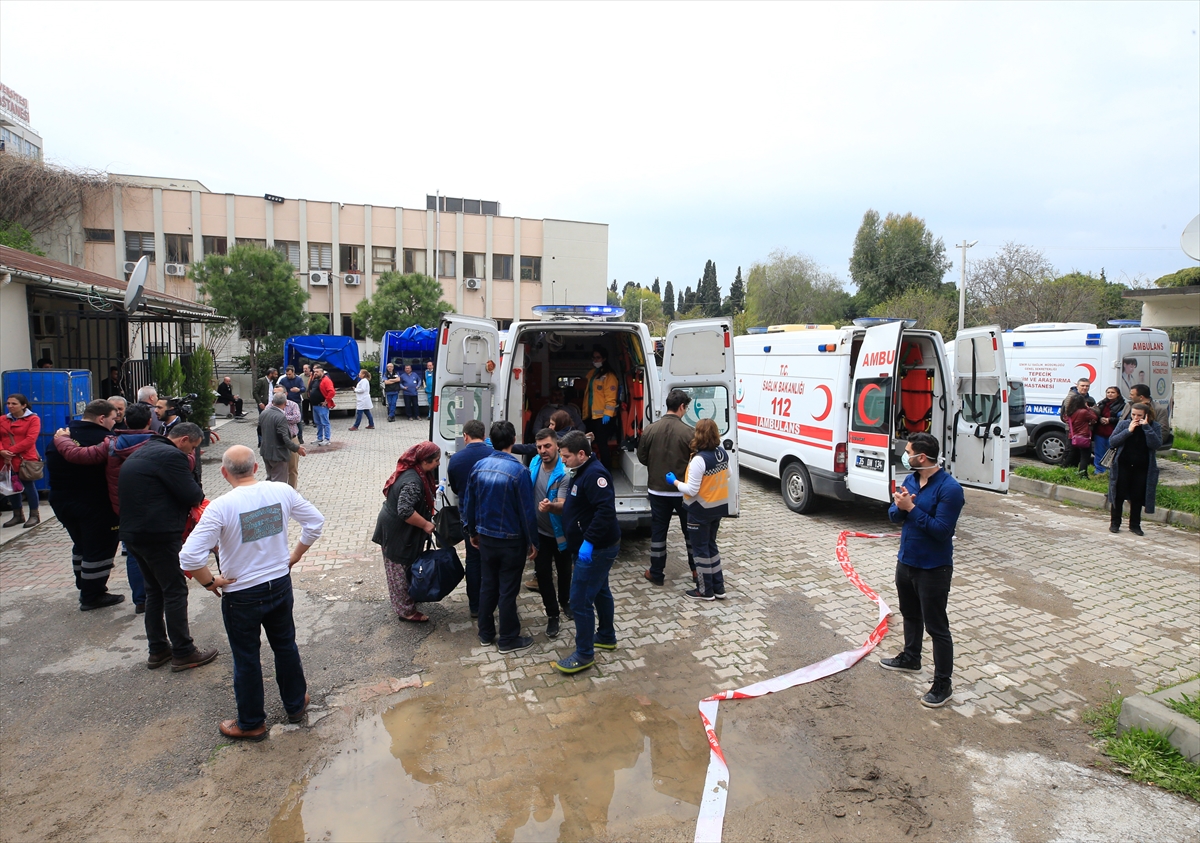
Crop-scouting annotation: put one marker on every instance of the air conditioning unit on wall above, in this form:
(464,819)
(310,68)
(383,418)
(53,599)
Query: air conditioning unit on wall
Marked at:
(318,279)
(129,265)
(177,269)
(352,279)
(473,283)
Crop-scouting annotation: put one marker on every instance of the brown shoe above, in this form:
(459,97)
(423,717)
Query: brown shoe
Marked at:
(32,521)
(157,660)
(230,729)
(196,658)
(532,585)
(299,715)
(18,518)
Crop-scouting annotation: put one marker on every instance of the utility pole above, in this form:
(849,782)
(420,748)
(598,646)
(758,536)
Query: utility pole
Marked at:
(962,287)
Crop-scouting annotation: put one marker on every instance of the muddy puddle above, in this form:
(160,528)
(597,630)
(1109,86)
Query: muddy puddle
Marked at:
(432,769)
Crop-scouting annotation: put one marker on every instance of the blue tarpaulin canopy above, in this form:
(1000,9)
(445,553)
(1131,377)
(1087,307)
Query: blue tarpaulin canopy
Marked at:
(411,342)
(339,352)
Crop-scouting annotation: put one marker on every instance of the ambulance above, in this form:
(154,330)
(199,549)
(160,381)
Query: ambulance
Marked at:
(1051,357)
(478,378)
(827,410)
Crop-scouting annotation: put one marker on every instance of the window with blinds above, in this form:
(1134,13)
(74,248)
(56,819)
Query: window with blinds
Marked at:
(289,250)
(446,264)
(320,256)
(215,245)
(383,259)
(414,261)
(473,265)
(138,243)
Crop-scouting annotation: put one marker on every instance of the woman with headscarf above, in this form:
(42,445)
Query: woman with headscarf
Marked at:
(406,521)
(600,401)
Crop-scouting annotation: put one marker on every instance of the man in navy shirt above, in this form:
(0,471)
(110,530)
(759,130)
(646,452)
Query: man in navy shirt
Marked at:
(410,381)
(927,506)
(458,470)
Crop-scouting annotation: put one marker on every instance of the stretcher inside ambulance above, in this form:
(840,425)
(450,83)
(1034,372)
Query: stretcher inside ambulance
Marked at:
(827,410)
(477,378)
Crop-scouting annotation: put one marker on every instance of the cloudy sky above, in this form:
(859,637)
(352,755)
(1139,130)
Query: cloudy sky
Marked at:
(695,130)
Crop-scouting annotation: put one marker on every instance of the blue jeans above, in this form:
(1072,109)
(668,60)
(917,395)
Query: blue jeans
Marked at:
(589,588)
(1099,448)
(391,397)
(662,509)
(502,561)
(137,584)
(321,419)
(358,414)
(267,606)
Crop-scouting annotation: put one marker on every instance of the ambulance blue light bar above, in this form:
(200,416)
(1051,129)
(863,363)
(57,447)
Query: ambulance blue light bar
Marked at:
(567,311)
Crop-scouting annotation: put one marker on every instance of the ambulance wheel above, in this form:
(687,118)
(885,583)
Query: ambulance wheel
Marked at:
(797,488)
(1052,447)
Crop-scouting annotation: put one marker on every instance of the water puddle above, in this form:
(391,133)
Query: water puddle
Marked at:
(437,769)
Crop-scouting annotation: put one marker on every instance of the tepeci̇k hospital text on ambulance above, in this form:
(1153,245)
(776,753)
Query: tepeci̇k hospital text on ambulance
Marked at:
(827,410)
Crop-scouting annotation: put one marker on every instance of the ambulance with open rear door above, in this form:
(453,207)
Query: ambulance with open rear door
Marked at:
(827,410)
(477,378)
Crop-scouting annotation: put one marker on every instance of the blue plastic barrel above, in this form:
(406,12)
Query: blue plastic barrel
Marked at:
(58,396)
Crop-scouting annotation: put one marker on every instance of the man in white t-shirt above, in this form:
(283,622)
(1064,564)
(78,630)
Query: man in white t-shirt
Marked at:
(249,527)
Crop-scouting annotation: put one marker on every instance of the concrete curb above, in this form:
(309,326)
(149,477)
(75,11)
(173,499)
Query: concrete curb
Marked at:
(1194,456)
(1095,500)
(1151,712)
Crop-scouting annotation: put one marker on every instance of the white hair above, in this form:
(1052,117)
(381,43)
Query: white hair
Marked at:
(279,399)
(118,399)
(239,468)
(146,391)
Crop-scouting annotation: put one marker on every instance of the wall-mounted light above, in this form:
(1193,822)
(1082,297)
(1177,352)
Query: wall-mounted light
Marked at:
(271,197)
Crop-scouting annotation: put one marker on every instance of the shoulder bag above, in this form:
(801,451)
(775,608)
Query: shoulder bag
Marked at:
(448,524)
(1110,456)
(30,470)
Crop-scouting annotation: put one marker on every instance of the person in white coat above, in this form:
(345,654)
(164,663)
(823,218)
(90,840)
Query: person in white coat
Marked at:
(363,401)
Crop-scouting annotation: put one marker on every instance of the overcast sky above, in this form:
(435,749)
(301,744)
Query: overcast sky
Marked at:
(696,131)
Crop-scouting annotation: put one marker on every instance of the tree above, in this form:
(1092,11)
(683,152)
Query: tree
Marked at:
(1189,277)
(257,289)
(933,311)
(680,304)
(895,255)
(645,306)
(629,285)
(708,291)
(654,288)
(401,301)
(198,380)
(668,301)
(793,288)
(735,302)
(689,300)
(15,236)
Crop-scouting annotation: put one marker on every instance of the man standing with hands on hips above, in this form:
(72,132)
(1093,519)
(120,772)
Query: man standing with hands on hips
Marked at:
(249,527)
(927,507)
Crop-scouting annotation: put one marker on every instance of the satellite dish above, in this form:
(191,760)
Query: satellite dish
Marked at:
(1190,241)
(137,283)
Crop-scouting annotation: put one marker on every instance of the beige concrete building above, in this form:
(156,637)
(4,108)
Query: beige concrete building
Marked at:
(488,264)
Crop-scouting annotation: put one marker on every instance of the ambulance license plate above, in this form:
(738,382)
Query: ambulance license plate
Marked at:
(871,463)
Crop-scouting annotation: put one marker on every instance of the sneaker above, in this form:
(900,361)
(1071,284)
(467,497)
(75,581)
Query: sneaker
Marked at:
(157,660)
(552,627)
(939,694)
(720,595)
(486,642)
(522,643)
(697,594)
(600,645)
(101,601)
(196,658)
(573,664)
(901,662)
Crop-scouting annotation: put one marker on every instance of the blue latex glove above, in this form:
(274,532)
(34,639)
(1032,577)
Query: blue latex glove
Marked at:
(606,420)
(671,477)
(585,552)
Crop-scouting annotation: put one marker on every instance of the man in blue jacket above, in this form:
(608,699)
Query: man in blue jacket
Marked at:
(410,382)
(927,506)
(458,471)
(593,535)
(501,520)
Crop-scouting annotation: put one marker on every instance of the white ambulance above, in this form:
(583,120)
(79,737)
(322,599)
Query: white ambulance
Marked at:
(475,378)
(1051,357)
(827,410)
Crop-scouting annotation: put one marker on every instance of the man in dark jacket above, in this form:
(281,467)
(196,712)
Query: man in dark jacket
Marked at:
(79,494)
(264,388)
(666,446)
(276,439)
(458,470)
(226,396)
(157,490)
(593,535)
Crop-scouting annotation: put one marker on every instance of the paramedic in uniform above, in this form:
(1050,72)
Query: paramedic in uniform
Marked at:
(706,495)
(665,448)
(927,507)
(600,401)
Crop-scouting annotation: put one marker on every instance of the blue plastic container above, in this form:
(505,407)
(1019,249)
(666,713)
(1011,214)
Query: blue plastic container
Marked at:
(58,396)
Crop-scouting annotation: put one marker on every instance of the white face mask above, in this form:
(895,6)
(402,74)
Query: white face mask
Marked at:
(596,364)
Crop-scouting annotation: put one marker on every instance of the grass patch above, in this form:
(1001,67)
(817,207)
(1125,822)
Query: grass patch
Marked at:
(1186,441)
(1180,498)
(1187,706)
(1103,717)
(1149,757)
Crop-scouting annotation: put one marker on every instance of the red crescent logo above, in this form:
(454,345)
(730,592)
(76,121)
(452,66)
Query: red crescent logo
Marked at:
(828,403)
(862,404)
(1091,370)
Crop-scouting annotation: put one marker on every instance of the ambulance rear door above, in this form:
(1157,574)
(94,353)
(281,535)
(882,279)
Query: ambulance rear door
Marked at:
(978,447)
(698,358)
(873,402)
(465,379)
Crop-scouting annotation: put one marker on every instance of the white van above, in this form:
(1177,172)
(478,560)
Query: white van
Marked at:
(827,410)
(475,379)
(1051,357)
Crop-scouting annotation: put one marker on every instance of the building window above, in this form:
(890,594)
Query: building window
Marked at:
(320,256)
(502,267)
(350,258)
(414,261)
(446,264)
(98,235)
(383,259)
(215,246)
(473,265)
(451,205)
(290,250)
(179,248)
(349,329)
(251,241)
(531,269)
(138,243)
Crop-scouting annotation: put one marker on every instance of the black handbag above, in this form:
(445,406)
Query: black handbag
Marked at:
(434,574)
(447,524)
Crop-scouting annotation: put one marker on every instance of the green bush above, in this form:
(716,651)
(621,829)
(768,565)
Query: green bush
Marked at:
(198,378)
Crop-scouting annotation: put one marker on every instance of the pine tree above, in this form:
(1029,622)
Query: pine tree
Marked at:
(613,288)
(708,292)
(679,309)
(737,294)
(689,300)
(654,288)
(668,301)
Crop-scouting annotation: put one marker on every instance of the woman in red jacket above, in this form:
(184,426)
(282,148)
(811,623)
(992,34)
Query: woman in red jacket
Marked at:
(19,429)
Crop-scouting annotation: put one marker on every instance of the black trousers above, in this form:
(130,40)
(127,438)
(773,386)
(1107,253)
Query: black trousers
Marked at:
(923,594)
(548,560)
(1130,486)
(93,531)
(501,563)
(602,431)
(1079,455)
(166,591)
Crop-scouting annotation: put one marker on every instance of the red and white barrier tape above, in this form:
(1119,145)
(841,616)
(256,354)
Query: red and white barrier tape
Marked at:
(716,784)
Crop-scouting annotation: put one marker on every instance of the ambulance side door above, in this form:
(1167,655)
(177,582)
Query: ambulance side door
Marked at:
(873,402)
(979,445)
(466,375)
(698,358)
